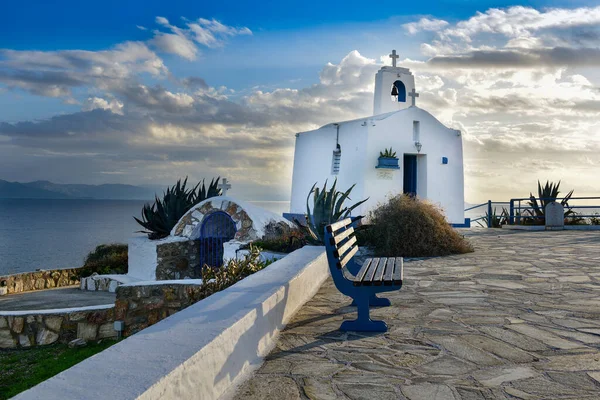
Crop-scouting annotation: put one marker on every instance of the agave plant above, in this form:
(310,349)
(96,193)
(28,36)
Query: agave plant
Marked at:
(387,153)
(547,194)
(497,220)
(328,207)
(159,218)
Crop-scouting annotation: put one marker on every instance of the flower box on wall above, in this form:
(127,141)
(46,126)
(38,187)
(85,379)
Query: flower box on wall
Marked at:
(388,163)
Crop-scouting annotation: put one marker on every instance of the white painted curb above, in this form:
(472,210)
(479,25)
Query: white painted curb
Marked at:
(201,352)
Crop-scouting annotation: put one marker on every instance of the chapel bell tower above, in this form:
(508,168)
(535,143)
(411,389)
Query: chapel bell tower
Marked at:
(394,88)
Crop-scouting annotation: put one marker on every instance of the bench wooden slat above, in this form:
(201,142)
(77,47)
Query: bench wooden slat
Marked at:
(389,271)
(345,247)
(341,236)
(381,268)
(347,257)
(336,226)
(398,275)
(363,270)
(368,279)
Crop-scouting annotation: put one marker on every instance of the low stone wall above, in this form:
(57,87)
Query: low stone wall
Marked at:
(40,280)
(145,305)
(177,260)
(201,352)
(21,329)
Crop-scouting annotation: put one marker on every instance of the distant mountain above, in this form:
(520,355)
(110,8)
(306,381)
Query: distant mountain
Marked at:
(16,190)
(50,190)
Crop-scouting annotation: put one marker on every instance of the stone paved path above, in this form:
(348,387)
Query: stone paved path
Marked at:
(55,298)
(517,319)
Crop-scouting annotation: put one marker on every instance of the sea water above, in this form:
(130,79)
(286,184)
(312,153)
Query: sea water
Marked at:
(47,234)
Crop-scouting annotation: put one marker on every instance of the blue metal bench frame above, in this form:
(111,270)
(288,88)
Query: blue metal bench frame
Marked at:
(361,282)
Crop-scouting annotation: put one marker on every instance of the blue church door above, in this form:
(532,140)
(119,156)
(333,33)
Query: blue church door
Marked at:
(410,174)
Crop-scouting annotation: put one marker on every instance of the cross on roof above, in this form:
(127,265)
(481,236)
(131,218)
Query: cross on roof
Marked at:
(224,186)
(394,57)
(414,96)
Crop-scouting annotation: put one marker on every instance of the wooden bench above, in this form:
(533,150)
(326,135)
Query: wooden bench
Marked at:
(361,282)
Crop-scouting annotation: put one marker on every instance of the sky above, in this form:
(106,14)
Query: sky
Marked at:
(145,92)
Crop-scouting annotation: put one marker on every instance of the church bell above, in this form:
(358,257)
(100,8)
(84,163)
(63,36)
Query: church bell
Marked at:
(394,91)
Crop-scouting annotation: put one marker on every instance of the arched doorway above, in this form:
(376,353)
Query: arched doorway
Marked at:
(216,229)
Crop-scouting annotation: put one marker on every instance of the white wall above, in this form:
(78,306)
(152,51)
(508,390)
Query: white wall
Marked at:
(201,352)
(384,79)
(313,156)
(442,184)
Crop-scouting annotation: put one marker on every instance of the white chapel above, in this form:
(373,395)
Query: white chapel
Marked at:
(429,155)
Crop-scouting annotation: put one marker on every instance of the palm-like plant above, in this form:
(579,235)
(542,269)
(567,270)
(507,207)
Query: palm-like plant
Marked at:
(497,220)
(387,153)
(159,218)
(328,207)
(547,194)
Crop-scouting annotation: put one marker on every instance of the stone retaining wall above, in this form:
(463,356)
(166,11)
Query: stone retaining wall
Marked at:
(177,260)
(142,306)
(41,328)
(201,352)
(39,280)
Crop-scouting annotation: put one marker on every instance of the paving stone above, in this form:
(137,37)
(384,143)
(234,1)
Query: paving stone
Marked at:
(446,365)
(499,348)
(499,323)
(349,376)
(318,389)
(426,391)
(269,388)
(465,351)
(595,375)
(518,340)
(497,376)
(316,369)
(546,337)
(578,380)
(545,388)
(361,391)
(578,362)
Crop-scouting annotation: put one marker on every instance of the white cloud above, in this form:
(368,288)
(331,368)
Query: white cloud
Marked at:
(184,41)
(114,105)
(425,24)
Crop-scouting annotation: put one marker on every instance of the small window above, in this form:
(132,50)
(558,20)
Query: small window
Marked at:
(416,131)
(335,162)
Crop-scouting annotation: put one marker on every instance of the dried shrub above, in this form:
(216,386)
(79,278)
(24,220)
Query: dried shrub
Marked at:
(409,227)
(106,259)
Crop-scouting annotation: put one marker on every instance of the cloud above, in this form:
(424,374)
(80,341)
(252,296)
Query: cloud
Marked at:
(425,24)
(522,58)
(184,41)
(57,73)
(114,105)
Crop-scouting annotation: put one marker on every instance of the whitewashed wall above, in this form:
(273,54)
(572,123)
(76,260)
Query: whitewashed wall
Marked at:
(362,140)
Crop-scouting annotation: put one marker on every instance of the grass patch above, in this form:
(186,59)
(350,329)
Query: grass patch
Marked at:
(23,369)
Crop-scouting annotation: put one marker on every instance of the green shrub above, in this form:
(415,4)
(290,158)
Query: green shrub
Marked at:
(215,279)
(497,219)
(387,153)
(106,259)
(327,209)
(409,227)
(287,243)
(547,194)
(159,218)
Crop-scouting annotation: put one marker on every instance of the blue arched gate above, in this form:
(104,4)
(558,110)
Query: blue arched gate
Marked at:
(217,228)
